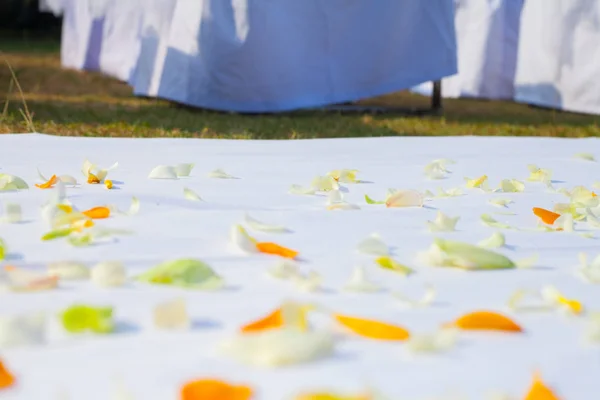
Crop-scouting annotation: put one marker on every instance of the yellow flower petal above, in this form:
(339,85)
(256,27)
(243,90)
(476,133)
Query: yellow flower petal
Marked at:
(344,175)
(552,294)
(108,183)
(476,182)
(389,263)
(373,329)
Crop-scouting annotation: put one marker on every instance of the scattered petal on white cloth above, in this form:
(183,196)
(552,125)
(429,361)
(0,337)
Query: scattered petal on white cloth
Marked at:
(359,282)
(220,174)
(442,223)
(69,270)
(427,299)
(373,245)
(109,274)
(12,213)
(22,330)
(263,227)
(191,195)
(171,314)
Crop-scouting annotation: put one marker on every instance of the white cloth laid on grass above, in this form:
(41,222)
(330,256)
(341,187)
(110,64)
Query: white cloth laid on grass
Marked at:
(262,56)
(559,56)
(487,34)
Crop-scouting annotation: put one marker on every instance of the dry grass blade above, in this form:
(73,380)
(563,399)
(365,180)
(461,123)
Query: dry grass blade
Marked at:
(27,116)
(11,84)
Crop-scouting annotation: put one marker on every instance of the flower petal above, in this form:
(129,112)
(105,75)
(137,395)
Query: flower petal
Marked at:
(335,196)
(442,340)
(589,272)
(565,223)
(373,245)
(389,263)
(371,201)
(324,184)
(539,390)
(344,175)
(373,329)
(442,223)
(310,282)
(69,270)
(452,192)
(511,186)
(332,396)
(22,330)
(275,249)
(108,184)
(547,216)
(522,300)
(68,180)
(405,198)
(500,202)
(22,280)
(527,262)
(183,169)
(592,332)
(185,273)
(488,220)
(585,156)
(12,213)
(163,172)
(359,282)
(427,299)
(97,213)
(50,183)
(243,240)
(83,318)
(343,206)
(171,314)
(435,170)
(284,270)
(278,347)
(487,320)
(210,389)
(290,315)
(539,174)
(495,241)
(220,174)
(476,182)
(297,189)
(448,253)
(552,295)
(7,379)
(191,195)
(261,226)
(109,274)
(3,249)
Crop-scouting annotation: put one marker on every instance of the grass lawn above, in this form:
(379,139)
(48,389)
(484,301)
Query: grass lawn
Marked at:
(65,102)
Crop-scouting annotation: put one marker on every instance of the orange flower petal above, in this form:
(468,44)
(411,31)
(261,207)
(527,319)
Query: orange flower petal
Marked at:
(539,391)
(547,216)
(92,178)
(487,320)
(272,248)
(270,321)
(97,213)
(6,378)
(212,389)
(47,185)
(373,329)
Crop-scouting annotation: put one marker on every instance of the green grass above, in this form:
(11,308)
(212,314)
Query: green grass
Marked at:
(73,103)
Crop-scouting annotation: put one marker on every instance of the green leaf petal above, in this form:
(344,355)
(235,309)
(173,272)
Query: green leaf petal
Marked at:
(82,318)
(467,256)
(371,201)
(186,273)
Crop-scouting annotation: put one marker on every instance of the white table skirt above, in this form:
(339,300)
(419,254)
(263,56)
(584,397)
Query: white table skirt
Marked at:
(559,55)
(153,364)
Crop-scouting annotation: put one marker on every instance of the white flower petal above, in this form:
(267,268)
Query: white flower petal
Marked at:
(335,196)
(191,195)
(242,239)
(12,213)
(359,282)
(373,245)
(427,299)
(22,330)
(452,192)
(134,208)
(490,221)
(220,174)
(68,180)
(171,314)
(511,186)
(324,184)
(183,169)
(565,223)
(310,282)
(278,347)
(284,270)
(297,189)
(163,172)
(522,300)
(343,206)
(589,272)
(442,223)
(12,182)
(528,262)
(405,198)
(69,270)
(109,274)
(585,156)
(438,342)
(500,202)
(592,331)
(263,227)
(436,170)
(22,280)
(495,241)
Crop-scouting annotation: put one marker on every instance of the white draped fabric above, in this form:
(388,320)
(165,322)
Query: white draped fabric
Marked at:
(487,35)
(260,55)
(559,55)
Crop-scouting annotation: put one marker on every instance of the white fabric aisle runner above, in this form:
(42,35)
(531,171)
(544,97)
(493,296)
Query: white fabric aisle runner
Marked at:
(154,364)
